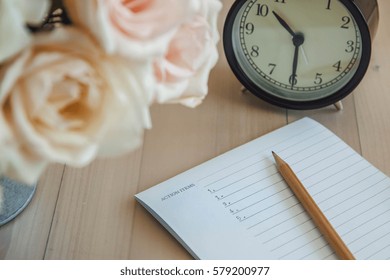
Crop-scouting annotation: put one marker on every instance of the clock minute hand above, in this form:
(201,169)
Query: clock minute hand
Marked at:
(298,40)
(284,24)
(295,66)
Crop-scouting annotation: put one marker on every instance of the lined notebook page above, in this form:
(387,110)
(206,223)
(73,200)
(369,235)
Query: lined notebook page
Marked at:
(237,206)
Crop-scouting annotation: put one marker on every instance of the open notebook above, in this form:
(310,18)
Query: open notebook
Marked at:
(237,206)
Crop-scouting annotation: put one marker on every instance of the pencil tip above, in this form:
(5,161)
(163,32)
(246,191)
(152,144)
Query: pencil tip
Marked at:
(278,160)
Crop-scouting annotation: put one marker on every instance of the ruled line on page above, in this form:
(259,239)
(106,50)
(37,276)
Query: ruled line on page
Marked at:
(244,218)
(331,165)
(359,204)
(387,234)
(258,201)
(319,143)
(307,220)
(370,231)
(274,215)
(323,247)
(351,196)
(264,149)
(379,251)
(282,222)
(238,171)
(354,217)
(335,184)
(246,186)
(293,238)
(301,246)
(245,177)
(363,224)
(316,154)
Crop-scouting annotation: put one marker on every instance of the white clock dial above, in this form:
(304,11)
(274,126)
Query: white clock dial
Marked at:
(297,50)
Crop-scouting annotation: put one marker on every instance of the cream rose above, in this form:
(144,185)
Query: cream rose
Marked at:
(14,14)
(64,100)
(182,73)
(133,28)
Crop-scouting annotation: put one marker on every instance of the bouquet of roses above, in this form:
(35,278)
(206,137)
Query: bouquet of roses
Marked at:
(77,77)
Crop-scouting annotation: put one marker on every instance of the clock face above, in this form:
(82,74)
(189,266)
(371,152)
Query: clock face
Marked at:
(298,51)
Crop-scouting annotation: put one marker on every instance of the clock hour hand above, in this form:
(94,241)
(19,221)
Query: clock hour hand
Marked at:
(284,24)
(297,39)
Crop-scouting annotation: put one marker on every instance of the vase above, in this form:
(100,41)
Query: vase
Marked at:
(16,196)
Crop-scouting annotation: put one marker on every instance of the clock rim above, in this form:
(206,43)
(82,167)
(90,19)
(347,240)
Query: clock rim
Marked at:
(288,103)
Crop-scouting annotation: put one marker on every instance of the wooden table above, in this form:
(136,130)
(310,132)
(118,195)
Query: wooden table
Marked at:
(91,213)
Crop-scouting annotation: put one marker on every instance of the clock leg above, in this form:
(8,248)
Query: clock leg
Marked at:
(339,106)
(244,90)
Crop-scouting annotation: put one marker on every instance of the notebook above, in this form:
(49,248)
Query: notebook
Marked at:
(237,206)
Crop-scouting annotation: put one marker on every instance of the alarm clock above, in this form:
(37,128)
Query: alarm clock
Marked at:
(302,54)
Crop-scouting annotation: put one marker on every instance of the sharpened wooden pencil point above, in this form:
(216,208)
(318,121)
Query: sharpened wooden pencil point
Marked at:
(278,160)
(313,210)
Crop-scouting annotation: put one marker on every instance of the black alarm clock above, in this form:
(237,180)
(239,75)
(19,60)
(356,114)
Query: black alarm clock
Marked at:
(301,54)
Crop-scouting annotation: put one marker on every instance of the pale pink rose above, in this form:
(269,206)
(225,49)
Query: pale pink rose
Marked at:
(64,100)
(133,28)
(14,15)
(182,73)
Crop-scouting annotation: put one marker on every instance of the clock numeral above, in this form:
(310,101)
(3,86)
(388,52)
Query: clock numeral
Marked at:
(346,21)
(272,66)
(262,10)
(318,80)
(250,28)
(293,80)
(328,6)
(280,1)
(255,51)
(351,46)
(337,65)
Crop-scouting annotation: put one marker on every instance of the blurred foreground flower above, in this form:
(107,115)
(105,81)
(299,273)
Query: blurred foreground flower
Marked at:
(182,73)
(82,91)
(64,100)
(133,28)
(14,17)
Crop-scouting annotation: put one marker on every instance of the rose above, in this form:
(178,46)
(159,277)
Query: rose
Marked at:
(133,28)
(182,35)
(182,73)
(14,14)
(64,100)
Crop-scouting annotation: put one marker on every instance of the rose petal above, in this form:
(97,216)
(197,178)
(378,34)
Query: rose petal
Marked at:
(20,165)
(137,28)
(33,11)
(14,14)
(13,35)
(183,72)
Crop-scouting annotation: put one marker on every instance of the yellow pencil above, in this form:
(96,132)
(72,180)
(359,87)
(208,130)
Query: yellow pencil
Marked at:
(313,210)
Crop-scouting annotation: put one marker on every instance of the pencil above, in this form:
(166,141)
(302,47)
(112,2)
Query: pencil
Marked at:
(313,210)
